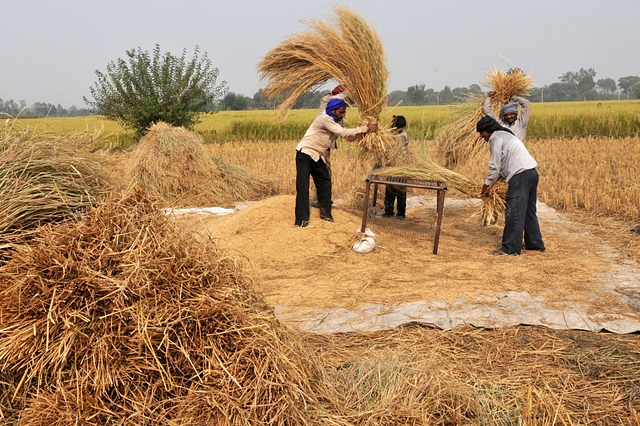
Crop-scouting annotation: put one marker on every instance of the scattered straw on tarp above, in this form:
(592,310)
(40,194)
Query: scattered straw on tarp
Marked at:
(416,375)
(171,165)
(346,49)
(120,318)
(45,181)
(458,140)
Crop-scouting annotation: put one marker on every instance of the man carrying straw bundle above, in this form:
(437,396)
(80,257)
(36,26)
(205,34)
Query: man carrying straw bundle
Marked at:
(324,130)
(511,161)
(510,118)
(337,93)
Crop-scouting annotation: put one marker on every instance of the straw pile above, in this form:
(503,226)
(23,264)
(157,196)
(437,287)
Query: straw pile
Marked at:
(45,181)
(122,319)
(172,166)
(458,140)
(346,50)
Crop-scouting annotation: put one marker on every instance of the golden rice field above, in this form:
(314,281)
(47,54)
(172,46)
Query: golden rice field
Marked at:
(468,376)
(558,119)
(589,166)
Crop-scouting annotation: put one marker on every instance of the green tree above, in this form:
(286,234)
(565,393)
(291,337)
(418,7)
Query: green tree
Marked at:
(445,96)
(156,87)
(626,83)
(235,102)
(607,85)
(417,94)
(635,89)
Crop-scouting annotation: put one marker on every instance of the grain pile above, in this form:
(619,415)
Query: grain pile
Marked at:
(45,181)
(347,50)
(172,166)
(121,318)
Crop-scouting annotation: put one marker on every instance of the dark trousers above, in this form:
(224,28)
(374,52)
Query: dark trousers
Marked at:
(305,168)
(390,195)
(520,215)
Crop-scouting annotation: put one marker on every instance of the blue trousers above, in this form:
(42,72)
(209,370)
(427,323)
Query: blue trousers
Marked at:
(520,216)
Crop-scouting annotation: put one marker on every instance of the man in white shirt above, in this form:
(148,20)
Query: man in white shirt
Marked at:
(510,118)
(511,161)
(324,130)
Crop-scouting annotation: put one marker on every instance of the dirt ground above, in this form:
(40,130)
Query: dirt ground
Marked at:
(315,269)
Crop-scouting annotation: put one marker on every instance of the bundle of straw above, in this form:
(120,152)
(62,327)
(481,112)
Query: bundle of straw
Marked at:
(458,140)
(121,318)
(171,165)
(506,85)
(347,50)
(46,181)
(427,169)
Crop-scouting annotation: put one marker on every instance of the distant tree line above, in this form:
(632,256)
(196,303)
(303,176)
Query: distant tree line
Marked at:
(39,110)
(580,85)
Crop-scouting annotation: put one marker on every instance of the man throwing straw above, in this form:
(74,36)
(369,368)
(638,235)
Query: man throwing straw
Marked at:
(324,130)
(511,161)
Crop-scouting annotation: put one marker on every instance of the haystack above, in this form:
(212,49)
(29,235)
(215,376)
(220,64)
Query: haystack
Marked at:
(120,318)
(45,181)
(171,165)
(346,49)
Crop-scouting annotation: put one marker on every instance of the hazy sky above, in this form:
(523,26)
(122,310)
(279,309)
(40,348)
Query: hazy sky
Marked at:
(51,49)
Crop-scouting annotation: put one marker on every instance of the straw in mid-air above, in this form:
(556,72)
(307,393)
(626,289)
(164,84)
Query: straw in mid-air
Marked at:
(345,49)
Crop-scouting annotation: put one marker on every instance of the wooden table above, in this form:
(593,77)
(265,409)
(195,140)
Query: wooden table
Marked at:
(410,183)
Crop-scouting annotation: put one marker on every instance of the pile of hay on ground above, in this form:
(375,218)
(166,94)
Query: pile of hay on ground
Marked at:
(172,166)
(45,181)
(120,318)
(346,50)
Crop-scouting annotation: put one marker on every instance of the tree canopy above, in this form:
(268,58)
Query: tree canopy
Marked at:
(148,88)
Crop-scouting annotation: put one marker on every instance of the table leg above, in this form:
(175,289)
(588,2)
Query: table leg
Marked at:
(440,209)
(365,207)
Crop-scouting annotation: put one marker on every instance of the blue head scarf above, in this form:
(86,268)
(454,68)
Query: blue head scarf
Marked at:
(509,108)
(334,104)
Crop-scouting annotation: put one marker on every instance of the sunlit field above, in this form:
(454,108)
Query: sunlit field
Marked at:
(548,120)
(589,164)
(587,154)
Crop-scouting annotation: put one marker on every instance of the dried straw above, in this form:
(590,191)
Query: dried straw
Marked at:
(457,139)
(345,49)
(172,166)
(45,181)
(121,318)
(415,375)
(427,169)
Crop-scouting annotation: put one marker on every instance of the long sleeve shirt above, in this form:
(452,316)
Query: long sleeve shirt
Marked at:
(518,127)
(322,133)
(509,157)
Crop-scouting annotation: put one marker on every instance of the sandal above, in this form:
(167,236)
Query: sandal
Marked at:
(498,253)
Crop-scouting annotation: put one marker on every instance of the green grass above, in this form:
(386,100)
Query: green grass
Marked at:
(548,120)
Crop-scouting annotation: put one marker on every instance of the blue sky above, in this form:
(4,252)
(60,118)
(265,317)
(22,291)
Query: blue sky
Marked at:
(50,50)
